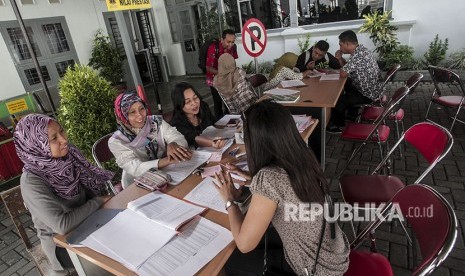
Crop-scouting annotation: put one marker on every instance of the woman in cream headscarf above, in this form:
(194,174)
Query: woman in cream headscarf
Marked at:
(283,70)
(231,83)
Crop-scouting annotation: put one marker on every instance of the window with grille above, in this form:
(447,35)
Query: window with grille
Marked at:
(56,39)
(63,66)
(18,43)
(33,77)
(51,43)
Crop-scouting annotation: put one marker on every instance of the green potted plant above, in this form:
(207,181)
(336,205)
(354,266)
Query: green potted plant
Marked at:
(106,59)
(382,33)
(86,109)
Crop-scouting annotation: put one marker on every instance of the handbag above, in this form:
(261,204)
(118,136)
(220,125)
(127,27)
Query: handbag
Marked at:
(269,271)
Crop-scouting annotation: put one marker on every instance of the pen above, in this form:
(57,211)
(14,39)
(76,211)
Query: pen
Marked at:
(234,151)
(222,138)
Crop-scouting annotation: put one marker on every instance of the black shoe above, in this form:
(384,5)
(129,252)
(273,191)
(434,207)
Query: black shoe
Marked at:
(334,129)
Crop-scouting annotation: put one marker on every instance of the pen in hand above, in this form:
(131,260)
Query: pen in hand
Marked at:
(221,138)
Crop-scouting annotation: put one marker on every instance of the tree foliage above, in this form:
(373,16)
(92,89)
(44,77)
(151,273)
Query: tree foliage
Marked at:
(106,59)
(86,109)
(382,33)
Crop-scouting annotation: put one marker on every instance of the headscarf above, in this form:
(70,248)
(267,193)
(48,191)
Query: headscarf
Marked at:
(145,136)
(287,60)
(65,175)
(228,75)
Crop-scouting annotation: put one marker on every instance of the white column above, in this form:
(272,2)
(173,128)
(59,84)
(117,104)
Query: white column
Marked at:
(293,13)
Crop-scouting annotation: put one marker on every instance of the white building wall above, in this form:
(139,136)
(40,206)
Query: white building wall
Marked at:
(418,22)
(83,18)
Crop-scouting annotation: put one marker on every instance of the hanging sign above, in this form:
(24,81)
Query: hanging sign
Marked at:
(254,37)
(119,5)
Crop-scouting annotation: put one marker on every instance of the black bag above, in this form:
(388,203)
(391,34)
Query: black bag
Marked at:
(203,53)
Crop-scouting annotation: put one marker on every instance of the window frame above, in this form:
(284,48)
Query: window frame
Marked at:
(47,58)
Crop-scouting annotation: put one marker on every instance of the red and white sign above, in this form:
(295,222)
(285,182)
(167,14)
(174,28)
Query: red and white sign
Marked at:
(254,37)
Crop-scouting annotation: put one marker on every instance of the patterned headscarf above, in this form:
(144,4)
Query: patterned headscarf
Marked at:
(287,60)
(228,76)
(145,137)
(65,175)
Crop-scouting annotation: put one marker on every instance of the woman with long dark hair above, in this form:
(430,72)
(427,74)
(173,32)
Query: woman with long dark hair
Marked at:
(286,177)
(191,116)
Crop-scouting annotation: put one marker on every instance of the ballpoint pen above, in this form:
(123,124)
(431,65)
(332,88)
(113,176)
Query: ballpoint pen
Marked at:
(222,138)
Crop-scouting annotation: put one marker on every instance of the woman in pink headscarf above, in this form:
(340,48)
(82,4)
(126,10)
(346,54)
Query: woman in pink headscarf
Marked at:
(59,186)
(143,142)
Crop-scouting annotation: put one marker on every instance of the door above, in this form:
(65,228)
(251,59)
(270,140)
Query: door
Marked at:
(190,47)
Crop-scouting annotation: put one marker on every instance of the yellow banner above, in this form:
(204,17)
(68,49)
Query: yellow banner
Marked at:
(17,106)
(119,5)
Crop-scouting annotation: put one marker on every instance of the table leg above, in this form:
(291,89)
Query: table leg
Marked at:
(323,139)
(77,263)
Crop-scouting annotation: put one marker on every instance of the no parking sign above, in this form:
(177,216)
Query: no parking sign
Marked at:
(254,37)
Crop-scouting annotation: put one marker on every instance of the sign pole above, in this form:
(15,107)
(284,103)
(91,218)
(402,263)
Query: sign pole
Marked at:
(33,55)
(256,65)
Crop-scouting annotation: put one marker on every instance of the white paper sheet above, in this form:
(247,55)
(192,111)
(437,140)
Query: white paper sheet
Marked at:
(132,237)
(292,83)
(182,170)
(329,77)
(281,92)
(213,132)
(188,252)
(207,195)
(224,121)
(165,209)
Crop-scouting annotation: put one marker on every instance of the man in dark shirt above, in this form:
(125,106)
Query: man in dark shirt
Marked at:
(215,50)
(316,55)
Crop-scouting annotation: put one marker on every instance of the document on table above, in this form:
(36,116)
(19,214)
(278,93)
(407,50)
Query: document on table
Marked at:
(180,171)
(213,132)
(329,77)
(281,92)
(207,195)
(223,122)
(216,154)
(164,209)
(188,252)
(129,230)
(292,83)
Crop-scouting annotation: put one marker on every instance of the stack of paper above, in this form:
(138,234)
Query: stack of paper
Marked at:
(292,83)
(223,122)
(180,171)
(329,77)
(283,95)
(302,122)
(142,236)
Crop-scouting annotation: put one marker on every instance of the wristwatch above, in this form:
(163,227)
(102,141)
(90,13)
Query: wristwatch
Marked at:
(229,203)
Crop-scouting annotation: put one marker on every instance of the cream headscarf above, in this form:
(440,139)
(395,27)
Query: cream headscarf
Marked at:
(228,75)
(287,60)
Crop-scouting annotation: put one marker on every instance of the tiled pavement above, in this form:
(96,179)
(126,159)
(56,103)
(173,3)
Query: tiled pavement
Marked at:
(448,178)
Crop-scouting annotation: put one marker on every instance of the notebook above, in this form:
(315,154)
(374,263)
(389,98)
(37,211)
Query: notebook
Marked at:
(283,95)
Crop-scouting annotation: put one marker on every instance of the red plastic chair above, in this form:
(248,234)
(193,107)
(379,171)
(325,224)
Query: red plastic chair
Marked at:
(436,234)
(101,153)
(432,141)
(375,131)
(370,113)
(453,102)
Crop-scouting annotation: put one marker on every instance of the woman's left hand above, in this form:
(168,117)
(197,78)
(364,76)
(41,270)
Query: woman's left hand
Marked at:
(177,153)
(226,187)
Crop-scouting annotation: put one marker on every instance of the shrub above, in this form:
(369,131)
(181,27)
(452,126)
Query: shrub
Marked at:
(402,55)
(106,59)
(86,110)
(382,33)
(436,51)
(304,43)
(457,60)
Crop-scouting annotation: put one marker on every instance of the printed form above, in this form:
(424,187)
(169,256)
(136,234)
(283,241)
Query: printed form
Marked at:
(188,252)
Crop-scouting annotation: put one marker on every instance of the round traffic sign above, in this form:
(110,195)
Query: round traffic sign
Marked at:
(254,37)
